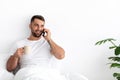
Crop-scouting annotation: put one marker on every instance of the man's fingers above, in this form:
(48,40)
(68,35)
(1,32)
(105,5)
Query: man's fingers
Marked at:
(21,49)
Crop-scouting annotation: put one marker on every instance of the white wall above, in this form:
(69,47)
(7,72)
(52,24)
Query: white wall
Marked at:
(75,25)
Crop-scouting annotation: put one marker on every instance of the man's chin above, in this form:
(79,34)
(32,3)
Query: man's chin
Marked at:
(36,35)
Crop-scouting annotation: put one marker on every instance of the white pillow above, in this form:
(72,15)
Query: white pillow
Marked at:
(3,59)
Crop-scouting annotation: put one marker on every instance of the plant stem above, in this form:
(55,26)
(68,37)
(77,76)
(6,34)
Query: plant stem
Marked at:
(113,43)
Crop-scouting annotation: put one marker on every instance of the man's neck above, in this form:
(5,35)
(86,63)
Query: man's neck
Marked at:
(33,38)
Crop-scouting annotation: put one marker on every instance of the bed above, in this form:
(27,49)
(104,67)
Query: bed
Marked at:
(5,75)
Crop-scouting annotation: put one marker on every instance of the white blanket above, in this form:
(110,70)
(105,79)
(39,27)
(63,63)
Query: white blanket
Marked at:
(5,75)
(38,73)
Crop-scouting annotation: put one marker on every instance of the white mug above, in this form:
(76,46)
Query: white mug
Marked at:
(27,49)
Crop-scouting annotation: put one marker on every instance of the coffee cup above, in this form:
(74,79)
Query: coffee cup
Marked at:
(27,49)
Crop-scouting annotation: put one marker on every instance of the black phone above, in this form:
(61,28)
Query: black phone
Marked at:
(43,33)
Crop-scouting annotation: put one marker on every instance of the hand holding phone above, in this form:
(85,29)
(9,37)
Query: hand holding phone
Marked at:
(46,34)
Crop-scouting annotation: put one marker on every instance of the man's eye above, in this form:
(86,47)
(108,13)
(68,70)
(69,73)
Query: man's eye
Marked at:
(35,24)
(42,25)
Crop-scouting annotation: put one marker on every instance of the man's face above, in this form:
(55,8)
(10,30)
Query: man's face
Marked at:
(37,27)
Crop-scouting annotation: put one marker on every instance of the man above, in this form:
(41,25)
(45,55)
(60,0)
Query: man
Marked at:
(41,47)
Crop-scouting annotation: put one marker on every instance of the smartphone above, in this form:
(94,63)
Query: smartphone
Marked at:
(43,33)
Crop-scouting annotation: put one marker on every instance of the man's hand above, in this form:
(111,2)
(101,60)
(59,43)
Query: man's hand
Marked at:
(19,52)
(47,35)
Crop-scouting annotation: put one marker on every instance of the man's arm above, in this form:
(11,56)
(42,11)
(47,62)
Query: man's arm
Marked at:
(13,61)
(56,50)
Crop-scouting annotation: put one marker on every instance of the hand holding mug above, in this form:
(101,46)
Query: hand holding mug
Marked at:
(19,52)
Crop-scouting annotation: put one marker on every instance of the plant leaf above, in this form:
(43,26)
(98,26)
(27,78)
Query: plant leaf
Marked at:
(118,78)
(115,65)
(111,39)
(116,74)
(115,58)
(117,51)
(112,47)
(100,42)
(97,43)
(104,41)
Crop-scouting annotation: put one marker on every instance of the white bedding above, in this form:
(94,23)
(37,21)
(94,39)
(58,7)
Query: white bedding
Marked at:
(37,73)
(5,75)
(30,74)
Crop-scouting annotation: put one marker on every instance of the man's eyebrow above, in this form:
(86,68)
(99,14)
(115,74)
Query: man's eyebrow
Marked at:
(42,25)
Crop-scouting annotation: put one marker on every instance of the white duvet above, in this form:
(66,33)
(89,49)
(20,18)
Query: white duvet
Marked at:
(38,73)
(5,75)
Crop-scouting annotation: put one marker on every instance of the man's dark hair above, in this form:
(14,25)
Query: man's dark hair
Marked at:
(37,17)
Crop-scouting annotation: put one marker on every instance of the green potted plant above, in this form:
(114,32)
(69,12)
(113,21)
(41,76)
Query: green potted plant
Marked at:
(115,60)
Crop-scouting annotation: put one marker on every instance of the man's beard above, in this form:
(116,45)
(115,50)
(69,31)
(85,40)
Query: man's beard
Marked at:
(36,35)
